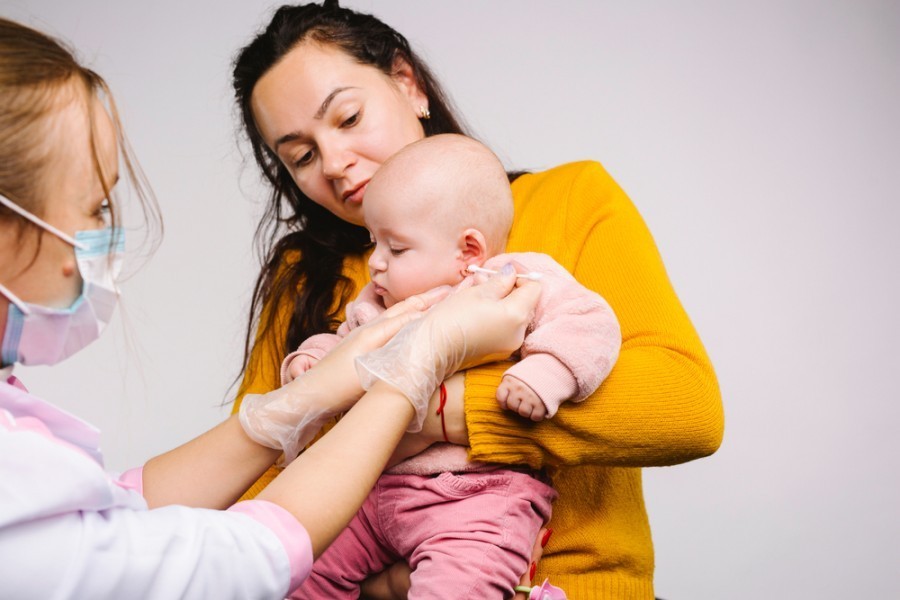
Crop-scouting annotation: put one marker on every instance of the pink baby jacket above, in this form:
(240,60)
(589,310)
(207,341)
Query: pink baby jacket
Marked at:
(570,347)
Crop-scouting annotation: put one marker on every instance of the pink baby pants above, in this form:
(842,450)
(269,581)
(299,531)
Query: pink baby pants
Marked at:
(466,535)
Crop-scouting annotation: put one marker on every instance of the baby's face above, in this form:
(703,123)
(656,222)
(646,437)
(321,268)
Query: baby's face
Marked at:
(412,253)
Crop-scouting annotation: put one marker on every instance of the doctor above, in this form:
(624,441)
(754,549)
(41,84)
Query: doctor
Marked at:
(169,530)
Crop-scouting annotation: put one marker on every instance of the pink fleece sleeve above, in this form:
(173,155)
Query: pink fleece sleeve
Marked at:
(366,306)
(573,341)
(313,349)
(289,531)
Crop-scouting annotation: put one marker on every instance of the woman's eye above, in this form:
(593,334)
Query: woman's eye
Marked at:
(103,210)
(304,160)
(350,122)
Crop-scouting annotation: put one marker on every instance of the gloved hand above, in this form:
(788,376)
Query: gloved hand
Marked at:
(480,324)
(285,419)
(288,418)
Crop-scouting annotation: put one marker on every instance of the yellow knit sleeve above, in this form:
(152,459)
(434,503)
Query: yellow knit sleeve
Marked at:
(661,404)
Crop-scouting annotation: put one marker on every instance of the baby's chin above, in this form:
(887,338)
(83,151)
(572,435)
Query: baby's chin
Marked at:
(386,298)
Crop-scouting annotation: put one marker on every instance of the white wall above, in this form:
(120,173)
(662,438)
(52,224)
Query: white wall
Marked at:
(758,140)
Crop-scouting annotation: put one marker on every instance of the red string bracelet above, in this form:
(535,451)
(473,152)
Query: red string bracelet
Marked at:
(440,411)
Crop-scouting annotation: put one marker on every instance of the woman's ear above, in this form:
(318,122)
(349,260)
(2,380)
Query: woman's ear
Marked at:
(472,248)
(405,77)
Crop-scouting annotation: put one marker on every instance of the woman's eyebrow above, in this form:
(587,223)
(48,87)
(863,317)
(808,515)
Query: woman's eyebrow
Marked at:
(325,103)
(294,135)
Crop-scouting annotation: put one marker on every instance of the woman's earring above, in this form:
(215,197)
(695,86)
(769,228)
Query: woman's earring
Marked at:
(424,113)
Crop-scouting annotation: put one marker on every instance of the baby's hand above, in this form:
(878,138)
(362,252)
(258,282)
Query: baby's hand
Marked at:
(514,395)
(299,365)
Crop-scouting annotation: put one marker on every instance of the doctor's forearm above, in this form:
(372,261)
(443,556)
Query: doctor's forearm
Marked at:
(210,471)
(325,486)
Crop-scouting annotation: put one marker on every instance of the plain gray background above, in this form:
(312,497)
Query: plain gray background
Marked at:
(758,139)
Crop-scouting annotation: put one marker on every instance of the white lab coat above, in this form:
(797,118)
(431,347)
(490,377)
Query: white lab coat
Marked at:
(69,529)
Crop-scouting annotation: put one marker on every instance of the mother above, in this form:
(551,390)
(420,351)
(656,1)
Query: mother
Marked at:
(70,529)
(326,95)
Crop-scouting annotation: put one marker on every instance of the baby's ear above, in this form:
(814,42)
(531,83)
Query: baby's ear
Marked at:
(473,247)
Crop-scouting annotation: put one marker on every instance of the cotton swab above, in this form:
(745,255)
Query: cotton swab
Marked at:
(534,276)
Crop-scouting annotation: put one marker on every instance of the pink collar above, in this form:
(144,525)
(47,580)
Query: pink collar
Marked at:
(64,425)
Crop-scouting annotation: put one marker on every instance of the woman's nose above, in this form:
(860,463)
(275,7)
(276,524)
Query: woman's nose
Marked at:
(336,159)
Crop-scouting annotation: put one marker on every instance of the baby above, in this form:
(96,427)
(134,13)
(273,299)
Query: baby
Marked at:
(442,207)
(437,210)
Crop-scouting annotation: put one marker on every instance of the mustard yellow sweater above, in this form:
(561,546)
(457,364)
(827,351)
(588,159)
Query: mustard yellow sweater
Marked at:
(660,406)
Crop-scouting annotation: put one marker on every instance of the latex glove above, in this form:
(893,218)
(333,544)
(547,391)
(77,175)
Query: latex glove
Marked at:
(284,419)
(480,324)
(288,418)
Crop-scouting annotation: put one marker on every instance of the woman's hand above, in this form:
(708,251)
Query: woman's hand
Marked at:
(536,551)
(339,470)
(337,367)
(480,324)
(483,323)
(288,418)
(391,584)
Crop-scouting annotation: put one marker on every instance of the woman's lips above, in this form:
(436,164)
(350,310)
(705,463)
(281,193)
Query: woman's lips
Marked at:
(356,194)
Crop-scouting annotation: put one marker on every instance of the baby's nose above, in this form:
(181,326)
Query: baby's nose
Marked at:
(376,262)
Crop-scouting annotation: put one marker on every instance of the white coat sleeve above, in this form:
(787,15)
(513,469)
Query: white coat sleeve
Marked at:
(174,552)
(68,530)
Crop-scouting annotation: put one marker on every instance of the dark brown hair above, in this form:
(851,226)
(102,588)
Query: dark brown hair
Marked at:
(303,244)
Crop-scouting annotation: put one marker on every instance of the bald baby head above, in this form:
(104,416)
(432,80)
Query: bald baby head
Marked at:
(447,181)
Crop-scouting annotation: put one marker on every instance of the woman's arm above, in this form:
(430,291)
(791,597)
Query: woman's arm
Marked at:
(210,471)
(262,373)
(310,487)
(213,470)
(324,487)
(661,404)
(440,421)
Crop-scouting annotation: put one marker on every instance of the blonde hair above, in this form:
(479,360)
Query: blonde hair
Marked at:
(34,69)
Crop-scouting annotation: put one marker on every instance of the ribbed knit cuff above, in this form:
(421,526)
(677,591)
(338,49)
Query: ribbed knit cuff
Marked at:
(600,586)
(548,377)
(496,435)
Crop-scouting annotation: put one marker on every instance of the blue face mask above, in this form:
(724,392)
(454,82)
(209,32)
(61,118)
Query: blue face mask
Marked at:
(39,335)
